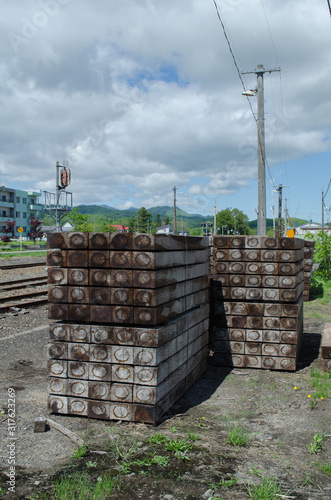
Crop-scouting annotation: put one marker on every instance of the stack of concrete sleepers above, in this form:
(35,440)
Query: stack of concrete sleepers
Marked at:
(307,267)
(130,322)
(257,285)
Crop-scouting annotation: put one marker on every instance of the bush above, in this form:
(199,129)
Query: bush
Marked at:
(323,254)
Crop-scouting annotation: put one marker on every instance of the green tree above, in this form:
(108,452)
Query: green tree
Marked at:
(80,221)
(322,254)
(197,231)
(132,223)
(231,219)
(144,220)
(166,221)
(158,221)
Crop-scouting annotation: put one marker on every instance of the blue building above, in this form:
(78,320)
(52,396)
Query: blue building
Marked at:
(18,206)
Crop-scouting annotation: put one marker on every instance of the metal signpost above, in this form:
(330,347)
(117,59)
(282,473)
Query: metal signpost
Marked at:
(60,203)
(20,230)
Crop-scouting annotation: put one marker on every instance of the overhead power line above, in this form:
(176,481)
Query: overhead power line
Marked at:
(272,40)
(232,54)
(329,6)
(327,188)
(240,77)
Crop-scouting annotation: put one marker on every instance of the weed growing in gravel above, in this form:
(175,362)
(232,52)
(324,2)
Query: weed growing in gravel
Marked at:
(80,452)
(321,381)
(79,486)
(225,483)
(268,489)
(146,462)
(307,480)
(180,447)
(237,436)
(91,464)
(157,439)
(256,471)
(123,449)
(193,436)
(316,445)
(325,468)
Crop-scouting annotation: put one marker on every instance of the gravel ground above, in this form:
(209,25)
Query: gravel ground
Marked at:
(277,418)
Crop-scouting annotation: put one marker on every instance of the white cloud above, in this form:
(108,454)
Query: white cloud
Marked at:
(143,96)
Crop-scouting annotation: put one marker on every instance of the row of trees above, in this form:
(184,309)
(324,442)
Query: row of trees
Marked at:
(142,222)
(228,221)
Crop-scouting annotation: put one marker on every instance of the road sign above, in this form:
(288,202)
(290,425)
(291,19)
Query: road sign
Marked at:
(20,230)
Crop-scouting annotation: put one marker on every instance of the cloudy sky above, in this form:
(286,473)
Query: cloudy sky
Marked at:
(143,95)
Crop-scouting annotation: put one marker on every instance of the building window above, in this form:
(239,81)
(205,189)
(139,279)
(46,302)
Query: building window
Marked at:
(24,201)
(3,213)
(24,229)
(18,215)
(31,201)
(18,199)
(3,197)
(24,215)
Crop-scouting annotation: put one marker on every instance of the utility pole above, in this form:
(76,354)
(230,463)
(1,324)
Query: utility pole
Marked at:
(235,222)
(280,192)
(175,219)
(285,214)
(322,211)
(261,216)
(215,231)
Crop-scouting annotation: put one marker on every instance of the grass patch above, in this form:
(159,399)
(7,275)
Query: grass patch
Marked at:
(157,439)
(325,468)
(180,447)
(268,489)
(320,296)
(80,487)
(22,254)
(321,381)
(80,452)
(237,436)
(123,449)
(224,483)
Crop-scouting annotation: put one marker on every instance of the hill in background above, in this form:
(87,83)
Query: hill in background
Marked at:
(116,215)
(184,219)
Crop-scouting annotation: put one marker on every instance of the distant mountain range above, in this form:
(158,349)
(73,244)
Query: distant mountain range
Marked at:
(192,220)
(163,211)
(114,214)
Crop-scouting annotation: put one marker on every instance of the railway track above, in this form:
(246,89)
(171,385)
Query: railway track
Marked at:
(23,292)
(20,265)
(23,301)
(23,283)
